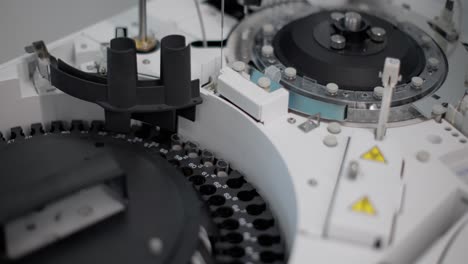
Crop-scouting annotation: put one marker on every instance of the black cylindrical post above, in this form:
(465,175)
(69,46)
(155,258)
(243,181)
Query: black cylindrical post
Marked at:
(176,70)
(122,73)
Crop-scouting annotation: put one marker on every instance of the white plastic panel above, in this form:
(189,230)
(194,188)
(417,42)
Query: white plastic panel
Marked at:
(366,204)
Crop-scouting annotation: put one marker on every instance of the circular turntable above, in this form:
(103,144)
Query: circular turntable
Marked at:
(178,203)
(334,58)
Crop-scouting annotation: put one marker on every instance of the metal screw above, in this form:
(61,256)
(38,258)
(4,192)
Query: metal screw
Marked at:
(337,42)
(353,170)
(417,82)
(267,51)
(438,111)
(433,63)
(290,73)
(291,120)
(353,21)
(102,70)
(332,88)
(238,66)
(378,34)
(378,92)
(264,82)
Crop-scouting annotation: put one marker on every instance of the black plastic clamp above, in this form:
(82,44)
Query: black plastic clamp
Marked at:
(124,97)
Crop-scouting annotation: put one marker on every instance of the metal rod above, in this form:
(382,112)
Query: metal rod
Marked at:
(222,33)
(202,24)
(142,19)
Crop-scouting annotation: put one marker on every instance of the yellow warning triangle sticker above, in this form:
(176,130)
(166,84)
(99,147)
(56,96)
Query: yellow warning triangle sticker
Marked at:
(364,206)
(374,154)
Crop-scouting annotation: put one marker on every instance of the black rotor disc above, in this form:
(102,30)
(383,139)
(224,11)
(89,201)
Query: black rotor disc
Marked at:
(160,204)
(171,195)
(303,44)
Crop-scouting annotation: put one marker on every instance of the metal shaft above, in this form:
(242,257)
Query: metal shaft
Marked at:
(142,20)
(353,21)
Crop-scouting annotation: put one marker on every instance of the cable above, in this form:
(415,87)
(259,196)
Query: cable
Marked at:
(202,24)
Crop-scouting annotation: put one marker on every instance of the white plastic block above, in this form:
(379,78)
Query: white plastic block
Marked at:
(262,105)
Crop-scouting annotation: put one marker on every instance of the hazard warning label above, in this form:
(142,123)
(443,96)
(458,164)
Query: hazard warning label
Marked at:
(374,154)
(364,206)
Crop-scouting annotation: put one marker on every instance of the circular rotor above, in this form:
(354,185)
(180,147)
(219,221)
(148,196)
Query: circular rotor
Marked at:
(323,50)
(224,221)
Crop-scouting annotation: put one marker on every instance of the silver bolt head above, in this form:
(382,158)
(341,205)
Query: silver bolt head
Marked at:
(267,51)
(337,42)
(264,82)
(238,66)
(353,170)
(332,88)
(290,73)
(438,109)
(291,120)
(378,34)
(417,82)
(378,92)
(433,63)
